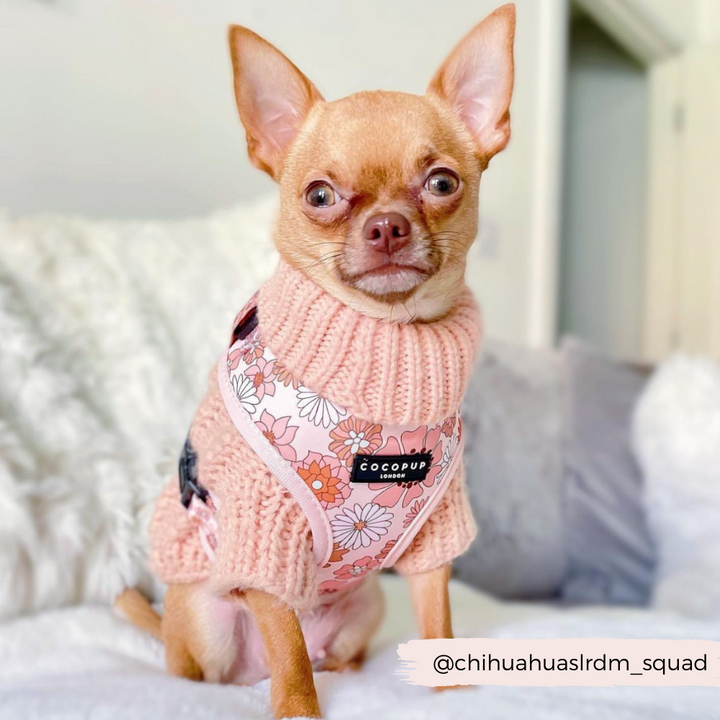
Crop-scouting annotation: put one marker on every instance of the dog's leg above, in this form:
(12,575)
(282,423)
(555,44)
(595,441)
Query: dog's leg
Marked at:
(430,598)
(179,661)
(175,634)
(429,591)
(292,688)
(137,608)
(199,632)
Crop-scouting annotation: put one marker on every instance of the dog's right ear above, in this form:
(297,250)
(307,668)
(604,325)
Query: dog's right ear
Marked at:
(273,98)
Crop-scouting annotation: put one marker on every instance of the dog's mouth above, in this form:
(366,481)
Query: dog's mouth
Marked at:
(392,269)
(389,280)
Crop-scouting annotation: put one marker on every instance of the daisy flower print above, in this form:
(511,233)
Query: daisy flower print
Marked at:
(246,392)
(360,526)
(317,409)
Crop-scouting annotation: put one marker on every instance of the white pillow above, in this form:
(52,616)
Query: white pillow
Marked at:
(677,442)
(108,332)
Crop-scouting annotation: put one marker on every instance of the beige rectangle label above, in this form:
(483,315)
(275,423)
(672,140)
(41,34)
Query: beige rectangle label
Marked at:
(593,661)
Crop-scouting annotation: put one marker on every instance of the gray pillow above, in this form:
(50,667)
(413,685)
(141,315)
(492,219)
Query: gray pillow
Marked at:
(610,553)
(512,426)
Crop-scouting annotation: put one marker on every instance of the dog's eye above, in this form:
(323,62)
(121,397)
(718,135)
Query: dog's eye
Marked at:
(320,195)
(442,183)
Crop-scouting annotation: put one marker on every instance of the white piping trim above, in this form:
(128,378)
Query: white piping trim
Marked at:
(278,466)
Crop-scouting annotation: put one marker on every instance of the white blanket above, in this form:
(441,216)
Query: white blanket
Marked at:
(87,662)
(108,332)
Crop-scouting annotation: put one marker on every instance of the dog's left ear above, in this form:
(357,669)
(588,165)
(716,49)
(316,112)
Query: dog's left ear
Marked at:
(477,80)
(273,98)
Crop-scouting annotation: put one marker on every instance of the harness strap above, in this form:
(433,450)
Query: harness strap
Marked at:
(277,465)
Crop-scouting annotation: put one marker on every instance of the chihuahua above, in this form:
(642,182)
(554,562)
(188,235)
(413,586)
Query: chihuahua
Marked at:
(379,207)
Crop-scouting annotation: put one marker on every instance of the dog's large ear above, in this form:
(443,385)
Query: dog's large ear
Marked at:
(273,97)
(477,80)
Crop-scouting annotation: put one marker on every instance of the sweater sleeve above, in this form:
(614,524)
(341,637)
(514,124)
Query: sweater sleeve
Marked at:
(264,539)
(176,554)
(446,534)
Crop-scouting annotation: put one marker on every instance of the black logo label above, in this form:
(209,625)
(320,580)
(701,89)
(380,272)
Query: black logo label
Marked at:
(390,468)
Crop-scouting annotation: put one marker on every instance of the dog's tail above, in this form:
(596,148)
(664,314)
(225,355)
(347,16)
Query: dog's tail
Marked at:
(137,608)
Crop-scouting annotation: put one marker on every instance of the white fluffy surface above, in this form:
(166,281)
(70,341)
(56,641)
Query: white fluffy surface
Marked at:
(677,441)
(87,663)
(107,334)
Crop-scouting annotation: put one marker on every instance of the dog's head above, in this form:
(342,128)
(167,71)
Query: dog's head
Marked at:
(379,190)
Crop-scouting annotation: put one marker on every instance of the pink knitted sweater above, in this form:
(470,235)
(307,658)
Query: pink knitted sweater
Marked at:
(398,373)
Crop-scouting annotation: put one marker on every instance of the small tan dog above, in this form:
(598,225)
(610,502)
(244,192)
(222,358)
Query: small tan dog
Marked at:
(379,206)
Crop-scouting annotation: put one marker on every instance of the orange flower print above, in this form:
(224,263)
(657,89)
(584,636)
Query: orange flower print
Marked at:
(253,352)
(352,437)
(248,352)
(284,376)
(414,511)
(338,553)
(326,477)
(357,569)
(448,426)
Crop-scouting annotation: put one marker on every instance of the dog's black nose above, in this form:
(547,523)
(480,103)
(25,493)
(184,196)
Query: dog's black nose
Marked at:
(388,232)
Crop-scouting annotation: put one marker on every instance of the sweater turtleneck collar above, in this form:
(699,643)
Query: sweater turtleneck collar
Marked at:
(379,371)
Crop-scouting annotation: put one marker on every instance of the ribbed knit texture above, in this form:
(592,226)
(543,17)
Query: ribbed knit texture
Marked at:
(264,537)
(380,371)
(411,373)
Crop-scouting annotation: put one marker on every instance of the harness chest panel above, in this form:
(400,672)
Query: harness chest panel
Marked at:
(366,487)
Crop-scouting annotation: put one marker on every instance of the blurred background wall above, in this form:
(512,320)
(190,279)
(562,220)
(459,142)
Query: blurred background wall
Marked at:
(124,109)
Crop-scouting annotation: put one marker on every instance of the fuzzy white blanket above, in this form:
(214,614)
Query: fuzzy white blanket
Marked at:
(107,334)
(86,662)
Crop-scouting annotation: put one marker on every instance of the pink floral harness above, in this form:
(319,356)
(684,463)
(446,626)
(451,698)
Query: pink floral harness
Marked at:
(365,487)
